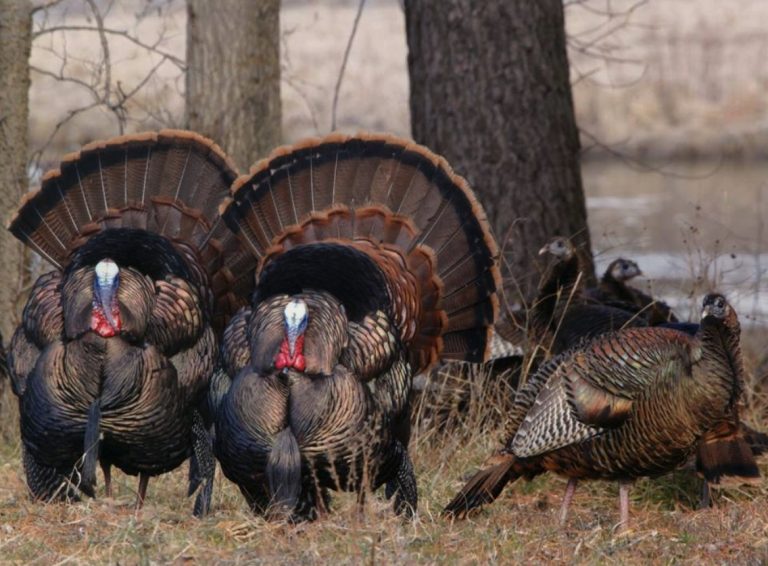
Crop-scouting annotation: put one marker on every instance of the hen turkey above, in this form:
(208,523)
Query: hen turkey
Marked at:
(628,404)
(560,316)
(375,260)
(613,289)
(116,348)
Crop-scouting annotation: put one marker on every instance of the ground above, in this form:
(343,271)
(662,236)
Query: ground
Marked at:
(520,527)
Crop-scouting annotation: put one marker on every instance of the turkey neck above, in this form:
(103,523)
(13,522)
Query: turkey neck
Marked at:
(719,376)
(558,285)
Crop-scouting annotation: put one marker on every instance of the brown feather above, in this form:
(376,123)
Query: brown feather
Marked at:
(398,203)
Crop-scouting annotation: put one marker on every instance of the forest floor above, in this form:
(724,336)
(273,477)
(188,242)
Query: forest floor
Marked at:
(522,526)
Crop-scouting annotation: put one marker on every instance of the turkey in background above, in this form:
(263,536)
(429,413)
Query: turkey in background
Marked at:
(116,348)
(613,289)
(375,261)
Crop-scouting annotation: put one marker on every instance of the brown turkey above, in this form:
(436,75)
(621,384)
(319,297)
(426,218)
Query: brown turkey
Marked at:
(628,404)
(375,260)
(116,348)
(613,289)
(560,316)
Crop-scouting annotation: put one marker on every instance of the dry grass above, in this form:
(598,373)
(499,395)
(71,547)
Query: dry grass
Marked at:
(521,526)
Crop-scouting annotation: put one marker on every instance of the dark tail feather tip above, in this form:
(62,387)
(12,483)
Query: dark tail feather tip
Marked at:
(483,488)
(727,458)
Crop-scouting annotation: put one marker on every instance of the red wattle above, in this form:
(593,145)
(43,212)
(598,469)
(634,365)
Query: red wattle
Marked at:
(282,361)
(100,325)
(284,358)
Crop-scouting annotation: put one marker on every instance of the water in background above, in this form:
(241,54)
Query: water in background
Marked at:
(691,228)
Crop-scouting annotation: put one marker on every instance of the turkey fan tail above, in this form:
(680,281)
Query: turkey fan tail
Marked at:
(284,471)
(91,449)
(726,457)
(484,487)
(169,182)
(394,218)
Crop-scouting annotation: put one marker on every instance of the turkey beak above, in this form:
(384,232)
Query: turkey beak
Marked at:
(544,250)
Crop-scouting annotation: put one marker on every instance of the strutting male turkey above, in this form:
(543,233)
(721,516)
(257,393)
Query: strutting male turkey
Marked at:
(375,260)
(116,349)
(628,404)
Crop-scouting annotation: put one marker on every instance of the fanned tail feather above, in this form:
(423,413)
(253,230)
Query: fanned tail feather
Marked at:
(169,182)
(384,200)
(484,487)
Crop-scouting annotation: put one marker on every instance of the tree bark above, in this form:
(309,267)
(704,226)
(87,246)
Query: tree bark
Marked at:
(15,42)
(233,75)
(490,91)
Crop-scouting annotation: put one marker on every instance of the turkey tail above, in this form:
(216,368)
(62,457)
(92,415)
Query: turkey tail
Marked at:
(484,487)
(169,182)
(727,458)
(758,441)
(406,231)
(91,449)
(284,471)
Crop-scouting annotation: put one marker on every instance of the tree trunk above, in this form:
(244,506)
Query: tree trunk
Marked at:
(233,75)
(15,41)
(490,91)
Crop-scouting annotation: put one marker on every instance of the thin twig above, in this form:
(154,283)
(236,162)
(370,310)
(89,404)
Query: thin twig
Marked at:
(124,34)
(344,63)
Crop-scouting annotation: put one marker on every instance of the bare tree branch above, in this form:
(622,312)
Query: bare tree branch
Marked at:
(180,63)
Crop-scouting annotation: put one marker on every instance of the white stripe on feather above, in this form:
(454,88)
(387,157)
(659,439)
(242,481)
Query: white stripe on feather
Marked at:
(454,267)
(434,222)
(254,247)
(392,182)
(146,174)
(333,186)
(311,183)
(66,207)
(274,202)
(183,172)
(103,188)
(82,190)
(257,216)
(408,189)
(448,241)
(40,250)
(51,230)
(290,192)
